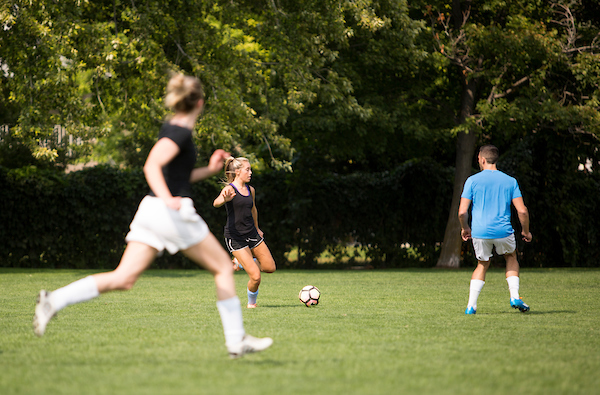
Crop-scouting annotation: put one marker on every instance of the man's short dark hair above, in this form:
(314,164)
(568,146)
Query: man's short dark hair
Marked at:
(490,153)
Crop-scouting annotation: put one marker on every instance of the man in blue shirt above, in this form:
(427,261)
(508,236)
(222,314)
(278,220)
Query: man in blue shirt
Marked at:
(492,192)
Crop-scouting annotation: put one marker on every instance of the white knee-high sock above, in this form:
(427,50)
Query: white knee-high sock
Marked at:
(231,318)
(513,286)
(474,291)
(252,296)
(76,292)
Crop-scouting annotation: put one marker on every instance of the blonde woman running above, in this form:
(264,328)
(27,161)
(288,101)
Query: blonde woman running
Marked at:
(243,237)
(166,219)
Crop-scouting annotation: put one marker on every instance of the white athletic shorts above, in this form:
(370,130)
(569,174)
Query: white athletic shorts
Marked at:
(483,247)
(163,228)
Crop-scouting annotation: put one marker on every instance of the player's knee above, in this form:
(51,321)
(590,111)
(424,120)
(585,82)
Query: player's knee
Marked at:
(267,266)
(269,269)
(255,278)
(224,270)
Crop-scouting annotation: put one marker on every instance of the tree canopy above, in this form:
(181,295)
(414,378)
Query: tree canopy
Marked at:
(323,87)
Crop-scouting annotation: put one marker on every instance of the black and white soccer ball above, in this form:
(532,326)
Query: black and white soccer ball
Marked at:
(309,295)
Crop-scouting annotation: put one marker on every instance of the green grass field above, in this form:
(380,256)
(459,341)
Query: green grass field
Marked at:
(374,332)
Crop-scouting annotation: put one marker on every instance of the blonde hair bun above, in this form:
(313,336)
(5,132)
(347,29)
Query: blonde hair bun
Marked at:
(183,93)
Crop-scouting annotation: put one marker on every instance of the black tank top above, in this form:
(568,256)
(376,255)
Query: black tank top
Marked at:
(239,215)
(177,172)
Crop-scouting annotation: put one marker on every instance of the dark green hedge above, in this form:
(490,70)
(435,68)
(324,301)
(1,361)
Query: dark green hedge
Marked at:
(563,201)
(76,220)
(80,219)
(380,211)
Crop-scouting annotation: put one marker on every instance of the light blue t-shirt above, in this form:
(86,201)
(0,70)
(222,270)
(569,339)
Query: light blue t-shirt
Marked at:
(491,193)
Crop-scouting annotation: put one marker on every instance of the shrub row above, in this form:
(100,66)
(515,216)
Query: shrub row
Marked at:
(80,219)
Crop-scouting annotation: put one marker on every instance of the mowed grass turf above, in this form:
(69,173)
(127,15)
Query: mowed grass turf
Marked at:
(374,332)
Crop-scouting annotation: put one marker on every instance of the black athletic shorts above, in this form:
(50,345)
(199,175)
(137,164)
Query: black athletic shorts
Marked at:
(250,240)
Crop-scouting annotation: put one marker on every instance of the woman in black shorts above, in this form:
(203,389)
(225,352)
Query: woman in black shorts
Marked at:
(166,219)
(243,237)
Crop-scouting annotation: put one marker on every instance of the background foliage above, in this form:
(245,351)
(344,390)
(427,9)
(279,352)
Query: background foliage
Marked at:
(396,217)
(360,117)
(74,220)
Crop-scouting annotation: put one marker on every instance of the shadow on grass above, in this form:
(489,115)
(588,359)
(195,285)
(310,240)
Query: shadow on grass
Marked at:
(534,312)
(278,306)
(266,362)
(173,273)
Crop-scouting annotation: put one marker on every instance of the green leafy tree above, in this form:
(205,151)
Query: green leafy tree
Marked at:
(513,62)
(369,112)
(99,69)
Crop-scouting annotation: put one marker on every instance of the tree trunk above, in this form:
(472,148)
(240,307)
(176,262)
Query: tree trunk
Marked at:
(465,149)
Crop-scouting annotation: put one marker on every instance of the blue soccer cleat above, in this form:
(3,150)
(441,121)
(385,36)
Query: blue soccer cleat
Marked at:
(519,304)
(470,310)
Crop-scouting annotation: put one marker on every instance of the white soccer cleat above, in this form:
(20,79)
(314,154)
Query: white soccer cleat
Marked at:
(43,313)
(248,345)
(236,265)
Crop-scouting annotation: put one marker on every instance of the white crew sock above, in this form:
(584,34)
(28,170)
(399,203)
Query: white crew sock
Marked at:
(513,286)
(231,318)
(474,291)
(252,296)
(76,292)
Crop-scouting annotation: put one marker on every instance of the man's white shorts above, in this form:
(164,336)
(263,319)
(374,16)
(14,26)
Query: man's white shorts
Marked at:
(483,247)
(163,228)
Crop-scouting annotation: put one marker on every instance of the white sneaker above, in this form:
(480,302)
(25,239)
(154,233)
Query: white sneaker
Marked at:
(43,313)
(249,344)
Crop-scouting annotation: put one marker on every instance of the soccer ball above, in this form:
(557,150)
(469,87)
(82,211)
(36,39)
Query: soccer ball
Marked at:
(309,295)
